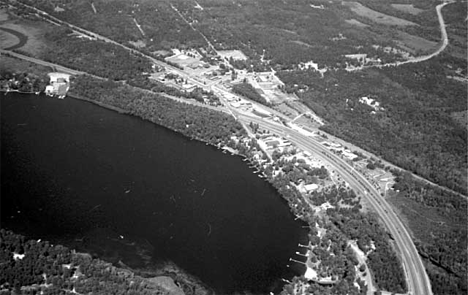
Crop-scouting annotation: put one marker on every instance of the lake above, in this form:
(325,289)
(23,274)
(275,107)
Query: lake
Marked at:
(127,190)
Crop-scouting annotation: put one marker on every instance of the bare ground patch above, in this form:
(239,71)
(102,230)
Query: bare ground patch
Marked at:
(376,16)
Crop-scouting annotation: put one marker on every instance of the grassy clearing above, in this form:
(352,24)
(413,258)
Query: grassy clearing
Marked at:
(376,16)
(33,30)
(21,66)
(3,15)
(416,44)
(460,117)
(7,40)
(356,23)
(407,8)
(284,109)
(303,43)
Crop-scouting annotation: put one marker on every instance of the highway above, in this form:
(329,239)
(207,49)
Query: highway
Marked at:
(417,279)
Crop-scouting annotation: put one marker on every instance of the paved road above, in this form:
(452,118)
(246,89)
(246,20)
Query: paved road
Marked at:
(444,39)
(417,279)
(63,69)
(43,63)
(216,88)
(57,21)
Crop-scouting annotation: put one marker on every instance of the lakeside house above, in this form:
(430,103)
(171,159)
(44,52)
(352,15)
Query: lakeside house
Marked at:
(59,85)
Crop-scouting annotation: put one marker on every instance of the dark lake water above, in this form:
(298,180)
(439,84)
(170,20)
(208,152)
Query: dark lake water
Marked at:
(125,189)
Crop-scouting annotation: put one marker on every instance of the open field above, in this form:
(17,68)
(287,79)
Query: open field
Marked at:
(356,23)
(302,43)
(3,15)
(376,16)
(19,65)
(7,40)
(415,43)
(185,61)
(460,117)
(408,8)
(33,31)
(286,110)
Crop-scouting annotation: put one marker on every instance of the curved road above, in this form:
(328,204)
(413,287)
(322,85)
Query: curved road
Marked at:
(442,47)
(417,279)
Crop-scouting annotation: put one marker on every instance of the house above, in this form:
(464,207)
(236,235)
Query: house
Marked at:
(49,90)
(272,144)
(59,85)
(59,77)
(311,187)
(189,87)
(350,155)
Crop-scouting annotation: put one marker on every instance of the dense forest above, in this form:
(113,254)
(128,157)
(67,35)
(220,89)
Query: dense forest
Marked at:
(413,127)
(415,131)
(147,25)
(419,124)
(438,221)
(193,121)
(275,33)
(94,56)
(38,267)
(247,90)
(115,63)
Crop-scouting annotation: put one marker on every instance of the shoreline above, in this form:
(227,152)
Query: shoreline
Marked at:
(19,91)
(253,164)
(98,103)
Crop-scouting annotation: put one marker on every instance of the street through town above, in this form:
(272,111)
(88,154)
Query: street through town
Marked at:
(417,279)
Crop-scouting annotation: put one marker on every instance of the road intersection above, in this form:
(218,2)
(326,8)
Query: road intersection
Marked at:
(417,279)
